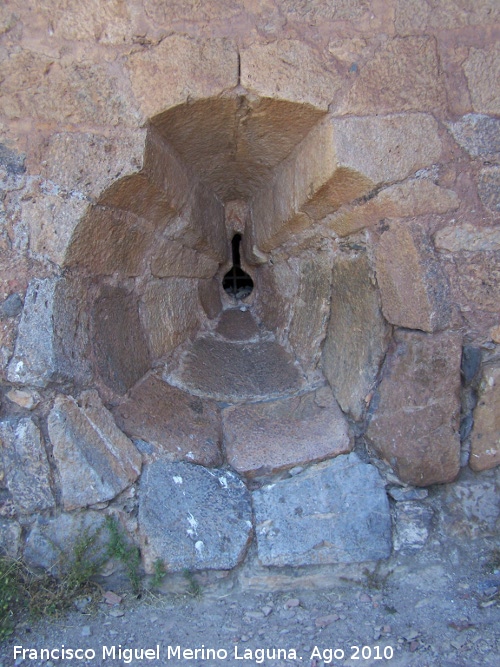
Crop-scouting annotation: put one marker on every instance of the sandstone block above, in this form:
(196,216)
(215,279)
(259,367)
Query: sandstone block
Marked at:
(169,313)
(51,542)
(382,83)
(10,538)
(95,460)
(291,70)
(209,295)
(481,68)
(478,134)
(475,280)
(238,325)
(193,518)
(413,288)
(485,438)
(188,69)
(175,260)
(413,16)
(415,421)
(165,13)
(335,512)
(263,438)
(276,289)
(317,12)
(119,342)
(26,467)
(467,237)
(177,425)
(357,334)
(205,230)
(489,188)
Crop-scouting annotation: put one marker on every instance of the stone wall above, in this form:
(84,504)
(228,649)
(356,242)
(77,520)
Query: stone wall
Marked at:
(355,146)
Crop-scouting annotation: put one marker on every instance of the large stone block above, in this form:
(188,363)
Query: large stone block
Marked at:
(192,518)
(357,334)
(263,438)
(489,188)
(475,279)
(165,13)
(119,341)
(481,68)
(291,70)
(10,538)
(311,309)
(335,512)
(413,287)
(169,313)
(53,338)
(468,238)
(26,468)
(382,83)
(175,425)
(187,68)
(95,460)
(414,425)
(210,297)
(414,16)
(478,134)
(485,437)
(276,289)
(172,259)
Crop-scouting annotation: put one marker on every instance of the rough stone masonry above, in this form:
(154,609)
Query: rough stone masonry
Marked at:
(350,153)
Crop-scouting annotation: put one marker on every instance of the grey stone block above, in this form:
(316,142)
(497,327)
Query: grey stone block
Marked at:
(193,518)
(335,512)
(478,134)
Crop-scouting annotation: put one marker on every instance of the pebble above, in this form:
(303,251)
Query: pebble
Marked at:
(292,602)
(267,610)
(116,613)
(364,597)
(324,621)
(112,598)
(86,631)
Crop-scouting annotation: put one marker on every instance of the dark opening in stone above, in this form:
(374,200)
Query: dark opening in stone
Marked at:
(236,282)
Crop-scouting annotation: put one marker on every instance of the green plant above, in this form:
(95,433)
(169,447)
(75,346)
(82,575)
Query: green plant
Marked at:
(194,587)
(375,580)
(159,573)
(10,595)
(126,553)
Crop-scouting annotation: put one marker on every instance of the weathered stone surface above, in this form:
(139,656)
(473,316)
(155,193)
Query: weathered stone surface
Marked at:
(411,526)
(415,421)
(235,324)
(165,13)
(23,398)
(413,287)
(382,83)
(235,371)
(95,460)
(470,238)
(415,16)
(193,518)
(178,426)
(51,541)
(489,188)
(26,467)
(262,438)
(387,148)
(478,134)
(169,313)
(335,512)
(188,69)
(415,197)
(357,335)
(481,68)
(276,288)
(10,538)
(475,280)
(118,339)
(317,12)
(291,70)
(311,309)
(209,294)
(485,438)
(174,259)
(12,306)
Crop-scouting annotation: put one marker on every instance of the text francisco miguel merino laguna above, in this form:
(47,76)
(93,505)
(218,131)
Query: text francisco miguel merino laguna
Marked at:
(172,653)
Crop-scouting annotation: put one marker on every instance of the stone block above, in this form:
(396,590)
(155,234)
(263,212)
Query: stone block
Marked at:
(264,438)
(311,309)
(276,289)
(485,437)
(188,69)
(414,425)
(335,512)
(481,68)
(412,198)
(95,460)
(413,287)
(192,518)
(10,538)
(387,148)
(468,238)
(357,335)
(169,313)
(475,280)
(26,466)
(382,83)
(478,134)
(177,425)
(413,16)
(210,297)
(119,343)
(165,13)
(318,12)
(172,259)
(238,325)
(51,542)
(53,334)
(25,399)
(205,230)
(412,525)
(291,70)
(489,188)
